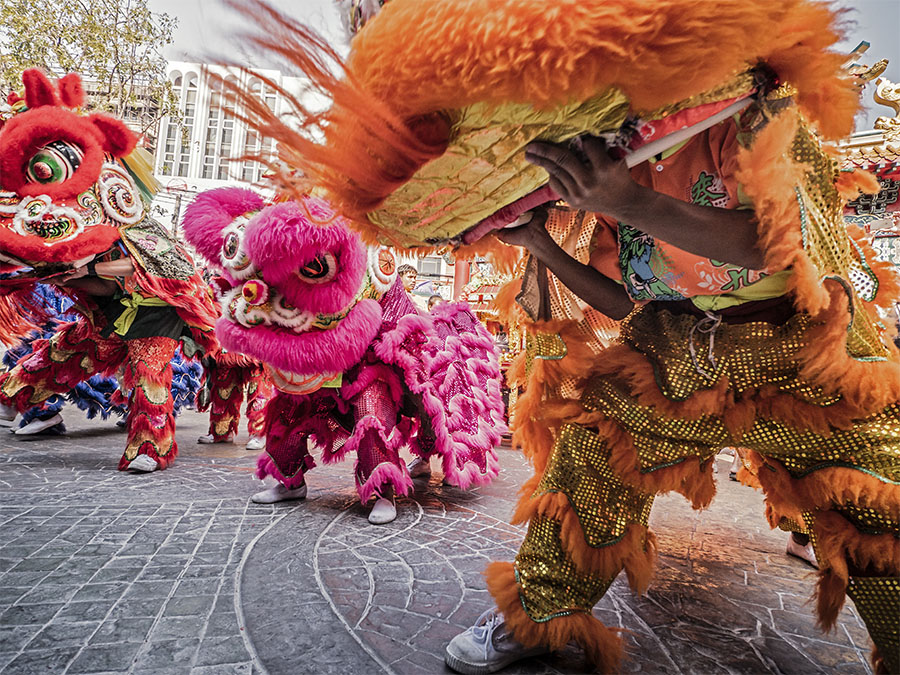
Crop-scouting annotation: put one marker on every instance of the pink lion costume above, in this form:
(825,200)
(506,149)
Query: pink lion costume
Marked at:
(355,367)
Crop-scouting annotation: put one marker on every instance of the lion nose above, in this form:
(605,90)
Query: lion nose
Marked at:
(255,292)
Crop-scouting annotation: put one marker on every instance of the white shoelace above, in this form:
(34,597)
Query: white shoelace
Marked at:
(484,628)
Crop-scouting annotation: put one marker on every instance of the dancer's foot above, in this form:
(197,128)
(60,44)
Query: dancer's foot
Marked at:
(36,426)
(256,443)
(735,466)
(486,647)
(383,511)
(7,413)
(803,550)
(122,423)
(279,493)
(209,438)
(143,464)
(419,467)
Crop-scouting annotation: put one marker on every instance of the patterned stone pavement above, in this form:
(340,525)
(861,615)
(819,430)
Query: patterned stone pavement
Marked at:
(177,572)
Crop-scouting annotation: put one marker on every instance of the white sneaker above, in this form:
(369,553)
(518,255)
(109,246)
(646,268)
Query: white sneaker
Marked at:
(418,467)
(256,443)
(279,493)
(383,511)
(486,647)
(36,426)
(143,464)
(806,553)
(208,439)
(7,413)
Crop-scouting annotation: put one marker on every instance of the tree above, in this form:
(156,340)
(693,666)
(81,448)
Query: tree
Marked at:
(115,45)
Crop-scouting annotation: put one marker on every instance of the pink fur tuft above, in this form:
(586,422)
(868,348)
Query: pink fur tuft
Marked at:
(386,472)
(311,353)
(265,466)
(213,211)
(285,237)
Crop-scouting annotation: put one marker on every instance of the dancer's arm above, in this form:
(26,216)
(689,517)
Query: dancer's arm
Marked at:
(604,185)
(600,292)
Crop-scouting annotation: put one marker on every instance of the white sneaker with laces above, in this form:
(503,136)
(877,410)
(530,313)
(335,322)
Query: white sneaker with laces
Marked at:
(419,467)
(208,439)
(36,426)
(279,493)
(143,464)
(256,443)
(383,511)
(486,647)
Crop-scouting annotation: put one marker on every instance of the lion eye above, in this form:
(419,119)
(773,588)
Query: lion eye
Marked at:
(53,163)
(319,270)
(231,246)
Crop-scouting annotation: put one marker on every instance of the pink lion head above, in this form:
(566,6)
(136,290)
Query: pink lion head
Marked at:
(300,289)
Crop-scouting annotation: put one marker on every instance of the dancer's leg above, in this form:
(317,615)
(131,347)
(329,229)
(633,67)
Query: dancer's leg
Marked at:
(259,391)
(226,396)
(151,422)
(71,355)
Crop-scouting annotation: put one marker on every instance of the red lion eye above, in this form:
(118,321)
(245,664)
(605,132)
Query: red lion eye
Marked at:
(54,163)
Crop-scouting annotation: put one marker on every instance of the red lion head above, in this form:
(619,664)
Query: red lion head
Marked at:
(63,190)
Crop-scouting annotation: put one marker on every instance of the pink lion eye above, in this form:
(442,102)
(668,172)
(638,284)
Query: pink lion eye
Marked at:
(232,245)
(319,270)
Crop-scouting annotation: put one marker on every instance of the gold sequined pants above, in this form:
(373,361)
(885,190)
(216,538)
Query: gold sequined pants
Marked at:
(717,386)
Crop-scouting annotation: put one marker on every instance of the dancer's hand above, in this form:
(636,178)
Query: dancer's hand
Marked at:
(529,232)
(594,182)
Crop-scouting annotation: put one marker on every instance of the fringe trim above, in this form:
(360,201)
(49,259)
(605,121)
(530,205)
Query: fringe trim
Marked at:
(820,490)
(385,473)
(838,544)
(602,645)
(866,387)
(266,466)
(636,551)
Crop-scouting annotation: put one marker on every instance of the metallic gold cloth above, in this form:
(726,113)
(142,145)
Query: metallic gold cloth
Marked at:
(484,167)
(877,600)
(750,356)
(550,585)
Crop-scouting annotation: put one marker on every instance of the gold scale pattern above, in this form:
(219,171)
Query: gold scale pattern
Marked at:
(877,600)
(550,585)
(484,167)
(605,506)
(829,246)
(749,355)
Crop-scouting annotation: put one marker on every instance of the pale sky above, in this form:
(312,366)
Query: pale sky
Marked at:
(207,28)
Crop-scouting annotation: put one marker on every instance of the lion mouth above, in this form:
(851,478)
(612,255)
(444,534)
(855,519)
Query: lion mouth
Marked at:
(292,383)
(308,352)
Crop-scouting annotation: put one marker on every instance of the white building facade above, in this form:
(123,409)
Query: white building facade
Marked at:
(198,152)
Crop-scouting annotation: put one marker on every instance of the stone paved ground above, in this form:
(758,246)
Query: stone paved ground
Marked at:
(177,572)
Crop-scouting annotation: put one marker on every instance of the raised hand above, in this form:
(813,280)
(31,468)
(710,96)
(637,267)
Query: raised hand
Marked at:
(593,182)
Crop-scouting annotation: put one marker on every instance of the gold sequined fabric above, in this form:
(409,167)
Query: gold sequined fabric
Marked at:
(605,506)
(750,356)
(830,248)
(689,354)
(550,585)
(877,600)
